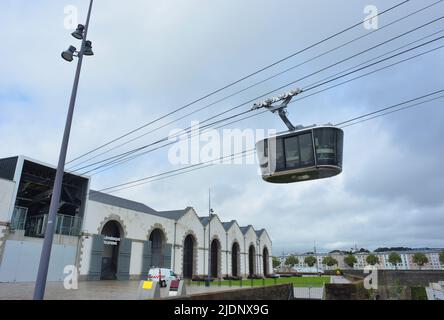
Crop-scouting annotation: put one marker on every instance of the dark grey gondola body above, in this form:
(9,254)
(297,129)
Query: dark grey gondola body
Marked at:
(305,154)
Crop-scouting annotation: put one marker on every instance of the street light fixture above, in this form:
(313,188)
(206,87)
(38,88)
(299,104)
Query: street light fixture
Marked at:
(88,49)
(78,34)
(68,55)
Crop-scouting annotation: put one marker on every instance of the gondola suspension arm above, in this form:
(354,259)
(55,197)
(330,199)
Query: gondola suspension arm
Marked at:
(280,109)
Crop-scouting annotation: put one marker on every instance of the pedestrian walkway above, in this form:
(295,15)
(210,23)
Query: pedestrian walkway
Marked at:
(309,293)
(89,290)
(339,279)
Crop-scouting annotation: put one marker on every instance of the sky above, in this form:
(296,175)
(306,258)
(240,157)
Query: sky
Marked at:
(152,57)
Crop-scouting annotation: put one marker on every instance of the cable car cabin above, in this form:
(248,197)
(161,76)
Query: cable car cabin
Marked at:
(307,154)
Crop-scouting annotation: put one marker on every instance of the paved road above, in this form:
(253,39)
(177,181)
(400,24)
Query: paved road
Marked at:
(89,290)
(339,279)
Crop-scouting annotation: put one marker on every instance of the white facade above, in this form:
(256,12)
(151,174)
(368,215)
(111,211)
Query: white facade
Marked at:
(127,237)
(384,264)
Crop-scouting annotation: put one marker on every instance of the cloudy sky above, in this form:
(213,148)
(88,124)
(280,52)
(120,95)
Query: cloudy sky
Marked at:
(154,56)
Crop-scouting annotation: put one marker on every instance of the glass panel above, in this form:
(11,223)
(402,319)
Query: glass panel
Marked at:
(265,148)
(280,159)
(340,145)
(292,158)
(325,142)
(19,218)
(58,224)
(306,147)
(67,225)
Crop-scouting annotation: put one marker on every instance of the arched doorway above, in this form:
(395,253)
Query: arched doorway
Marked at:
(265,261)
(215,253)
(157,239)
(251,260)
(235,259)
(188,256)
(111,232)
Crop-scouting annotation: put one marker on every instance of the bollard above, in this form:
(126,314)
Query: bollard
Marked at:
(241,282)
(176,288)
(149,290)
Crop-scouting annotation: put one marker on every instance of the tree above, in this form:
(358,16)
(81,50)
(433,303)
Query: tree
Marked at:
(276,262)
(291,261)
(310,261)
(420,259)
(395,258)
(350,260)
(372,259)
(441,257)
(329,261)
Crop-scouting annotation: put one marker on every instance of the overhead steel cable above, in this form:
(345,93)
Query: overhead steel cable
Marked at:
(343,124)
(252,100)
(257,114)
(188,167)
(257,83)
(376,115)
(286,85)
(122,161)
(380,56)
(238,81)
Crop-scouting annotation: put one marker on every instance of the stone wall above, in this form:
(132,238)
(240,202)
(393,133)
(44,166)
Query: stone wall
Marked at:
(277,292)
(409,277)
(345,291)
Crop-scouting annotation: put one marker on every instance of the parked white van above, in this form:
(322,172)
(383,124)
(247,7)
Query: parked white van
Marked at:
(163,275)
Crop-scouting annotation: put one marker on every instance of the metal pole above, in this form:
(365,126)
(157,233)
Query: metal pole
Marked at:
(209,238)
(42,274)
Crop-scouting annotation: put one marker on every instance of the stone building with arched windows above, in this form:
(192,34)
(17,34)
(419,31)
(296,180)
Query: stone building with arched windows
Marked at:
(108,237)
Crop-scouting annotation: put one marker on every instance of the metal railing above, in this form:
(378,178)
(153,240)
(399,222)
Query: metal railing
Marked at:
(34,226)
(19,218)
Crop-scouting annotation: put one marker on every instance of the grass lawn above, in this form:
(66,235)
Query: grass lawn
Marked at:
(297,282)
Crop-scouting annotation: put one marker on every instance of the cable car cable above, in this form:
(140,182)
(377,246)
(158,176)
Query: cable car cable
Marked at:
(258,83)
(238,81)
(310,88)
(305,77)
(314,73)
(341,123)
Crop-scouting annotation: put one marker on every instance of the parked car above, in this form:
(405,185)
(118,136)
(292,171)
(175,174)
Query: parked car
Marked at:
(163,275)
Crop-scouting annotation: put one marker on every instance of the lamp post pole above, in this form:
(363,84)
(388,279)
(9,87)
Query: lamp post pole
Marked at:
(40,285)
(207,283)
(257,257)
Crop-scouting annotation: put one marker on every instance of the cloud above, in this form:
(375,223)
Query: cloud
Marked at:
(151,58)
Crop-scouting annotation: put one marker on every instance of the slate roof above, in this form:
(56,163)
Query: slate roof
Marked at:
(259,232)
(173,214)
(245,229)
(120,202)
(204,220)
(134,205)
(227,225)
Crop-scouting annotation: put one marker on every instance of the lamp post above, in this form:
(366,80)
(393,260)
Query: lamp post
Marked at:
(210,211)
(258,243)
(68,55)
